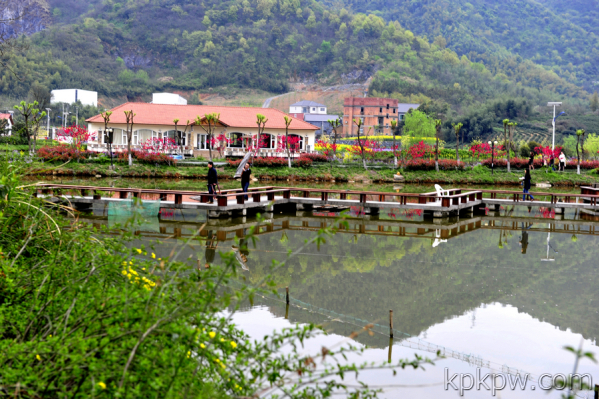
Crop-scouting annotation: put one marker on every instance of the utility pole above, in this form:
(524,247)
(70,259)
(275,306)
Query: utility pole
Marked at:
(77,116)
(555,104)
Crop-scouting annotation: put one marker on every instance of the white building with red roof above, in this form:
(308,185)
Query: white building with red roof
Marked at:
(9,122)
(237,123)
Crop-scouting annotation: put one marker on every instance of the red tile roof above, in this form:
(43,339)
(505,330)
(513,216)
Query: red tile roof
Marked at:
(160,114)
(4,116)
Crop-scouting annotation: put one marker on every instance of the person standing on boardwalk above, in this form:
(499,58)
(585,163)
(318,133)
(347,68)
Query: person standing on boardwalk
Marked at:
(527,184)
(562,161)
(212,181)
(245,178)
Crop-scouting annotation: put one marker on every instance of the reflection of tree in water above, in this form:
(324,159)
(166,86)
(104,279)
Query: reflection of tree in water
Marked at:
(425,285)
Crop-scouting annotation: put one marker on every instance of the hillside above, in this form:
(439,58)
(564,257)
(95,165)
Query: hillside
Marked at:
(559,34)
(132,48)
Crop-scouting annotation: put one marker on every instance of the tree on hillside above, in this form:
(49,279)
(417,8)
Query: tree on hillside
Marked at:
(579,136)
(209,125)
(594,102)
(129,115)
(18,17)
(457,127)
(32,116)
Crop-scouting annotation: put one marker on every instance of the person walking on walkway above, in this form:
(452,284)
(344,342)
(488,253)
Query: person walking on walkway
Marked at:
(527,184)
(531,160)
(245,178)
(212,181)
(562,161)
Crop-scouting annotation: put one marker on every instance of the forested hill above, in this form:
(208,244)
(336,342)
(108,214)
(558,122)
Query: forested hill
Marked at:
(560,34)
(134,47)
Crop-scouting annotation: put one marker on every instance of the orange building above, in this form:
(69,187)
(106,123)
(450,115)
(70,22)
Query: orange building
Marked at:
(376,114)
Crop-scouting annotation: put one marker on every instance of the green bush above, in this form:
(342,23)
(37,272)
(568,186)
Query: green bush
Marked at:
(13,140)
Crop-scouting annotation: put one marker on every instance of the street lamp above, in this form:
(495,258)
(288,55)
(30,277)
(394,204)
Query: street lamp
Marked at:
(48,124)
(557,104)
(493,144)
(108,138)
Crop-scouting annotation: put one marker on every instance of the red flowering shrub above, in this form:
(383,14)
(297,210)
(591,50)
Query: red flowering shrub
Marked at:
(302,162)
(420,150)
(315,157)
(61,153)
(429,164)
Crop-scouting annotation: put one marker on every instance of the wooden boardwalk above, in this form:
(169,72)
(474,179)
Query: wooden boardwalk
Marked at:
(265,199)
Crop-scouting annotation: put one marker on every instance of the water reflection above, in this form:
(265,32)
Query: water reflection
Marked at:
(501,289)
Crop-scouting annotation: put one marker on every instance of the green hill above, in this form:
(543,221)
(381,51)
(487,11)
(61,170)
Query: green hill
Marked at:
(134,47)
(560,35)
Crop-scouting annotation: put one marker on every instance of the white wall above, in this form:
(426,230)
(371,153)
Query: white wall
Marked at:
(168,98)
(311,110)
(70,96)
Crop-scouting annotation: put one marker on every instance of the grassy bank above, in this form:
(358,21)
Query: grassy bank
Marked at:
(327,173)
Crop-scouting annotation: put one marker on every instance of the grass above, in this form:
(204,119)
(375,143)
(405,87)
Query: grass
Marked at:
(325,173)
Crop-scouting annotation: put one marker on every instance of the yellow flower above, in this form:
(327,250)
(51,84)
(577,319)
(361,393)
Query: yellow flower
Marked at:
(202,346)
(131,263)
(50,336)
(124,272)
(217,360)
(188,354)
(124,263)
(153,255)
(222,340)
(138,250)
(102,385)
(233,344)
(223,366)
(212,334)
(38,357)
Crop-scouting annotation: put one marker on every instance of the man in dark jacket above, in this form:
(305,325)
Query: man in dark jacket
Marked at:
(245,178)
(212,181)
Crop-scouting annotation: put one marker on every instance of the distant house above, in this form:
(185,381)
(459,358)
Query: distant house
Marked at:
(376,114)
(307,107)
(238,124)
(314,113)
(71,96)
(9,122)
(168,98)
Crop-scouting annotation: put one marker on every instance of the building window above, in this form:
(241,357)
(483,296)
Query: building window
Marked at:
(236,140)
(393,110)
(381,121)
(202,142)
(267,141)
(171,135)
(313,109)
(387,106)
(361,110)
(305,110)
(322,109)
(401,117)
(381,110)
(300,144)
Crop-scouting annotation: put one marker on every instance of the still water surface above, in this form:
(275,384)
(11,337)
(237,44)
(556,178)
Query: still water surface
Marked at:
(505,291)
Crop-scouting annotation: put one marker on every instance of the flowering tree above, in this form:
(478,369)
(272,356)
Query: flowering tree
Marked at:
(328,149)
(366,149)
(547,151)
(420,150)
(76,135)
(220,143)
(291,144)
(159,146)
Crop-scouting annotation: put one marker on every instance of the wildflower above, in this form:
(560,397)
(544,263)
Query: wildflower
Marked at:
(202,346)
(38,357)
(153,255)
(212,334)
(233,344)
(217,360)
(138,250)
(124,272)
(188,354)
(102,385)
(131,263)
(222,340)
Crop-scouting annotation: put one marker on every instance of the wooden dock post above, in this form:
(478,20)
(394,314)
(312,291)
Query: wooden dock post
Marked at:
(391,324)
(390,349)
(287,295)
(287,311)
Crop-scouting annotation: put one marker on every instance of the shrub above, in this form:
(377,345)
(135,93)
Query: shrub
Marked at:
(147,157)
(315,157)
(262,162)
(61,153)
(302,162)
(13,140)
(429,164)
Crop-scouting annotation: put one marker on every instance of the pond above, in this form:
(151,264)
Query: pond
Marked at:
(503,292)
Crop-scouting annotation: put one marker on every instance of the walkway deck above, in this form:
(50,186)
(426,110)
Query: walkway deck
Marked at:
(265,199)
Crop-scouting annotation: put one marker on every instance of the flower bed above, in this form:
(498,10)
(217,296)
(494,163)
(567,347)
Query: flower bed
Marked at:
(302,162)
(62,153)
(429,164)
(147,157)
